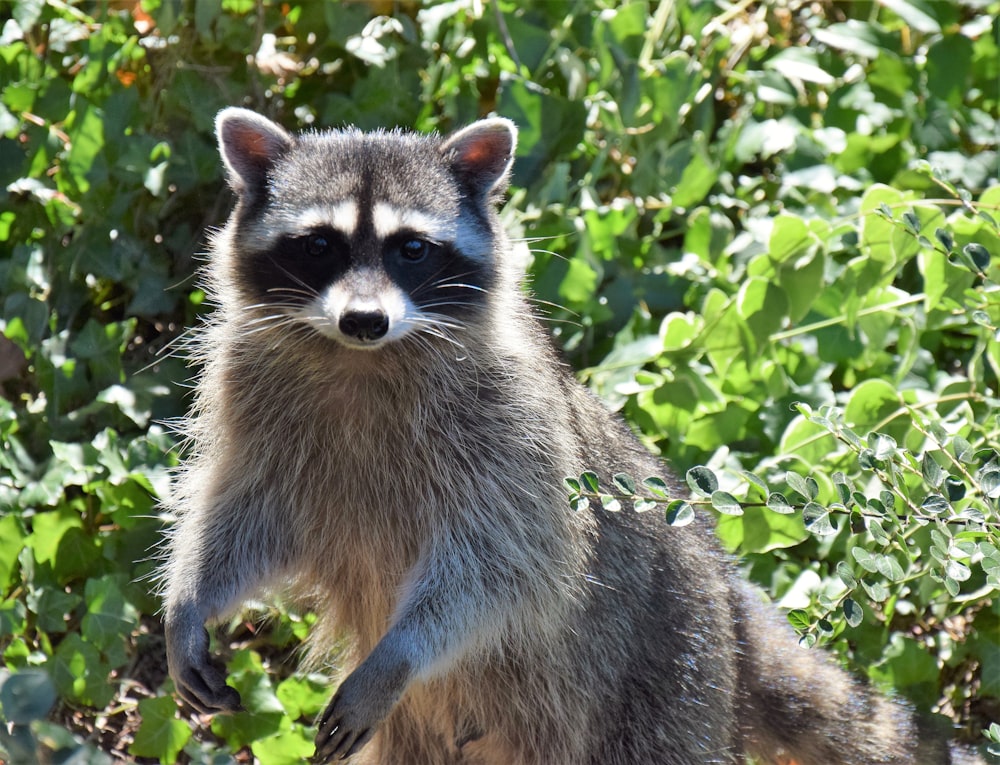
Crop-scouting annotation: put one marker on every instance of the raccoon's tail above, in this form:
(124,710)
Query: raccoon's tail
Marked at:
(797,707)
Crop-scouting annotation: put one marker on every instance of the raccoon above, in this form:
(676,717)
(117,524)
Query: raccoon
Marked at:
(382,427)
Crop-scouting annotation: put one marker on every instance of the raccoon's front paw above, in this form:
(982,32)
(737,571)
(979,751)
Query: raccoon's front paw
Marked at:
(358,707)
(200,680)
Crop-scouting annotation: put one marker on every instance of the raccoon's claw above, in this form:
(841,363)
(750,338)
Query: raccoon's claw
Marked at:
(336,739)
(200,680)
(204,689)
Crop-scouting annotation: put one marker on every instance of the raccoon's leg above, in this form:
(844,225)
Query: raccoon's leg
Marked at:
(797,706)
(456,601)
(219,554)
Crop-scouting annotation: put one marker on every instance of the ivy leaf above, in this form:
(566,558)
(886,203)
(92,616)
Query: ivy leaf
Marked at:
(161,734)
(109,616)
(26,696)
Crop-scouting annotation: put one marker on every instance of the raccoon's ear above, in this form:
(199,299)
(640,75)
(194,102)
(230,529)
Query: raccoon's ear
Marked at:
(250,145)
(483,153)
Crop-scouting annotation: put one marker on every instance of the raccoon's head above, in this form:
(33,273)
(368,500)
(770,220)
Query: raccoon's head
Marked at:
(364,238)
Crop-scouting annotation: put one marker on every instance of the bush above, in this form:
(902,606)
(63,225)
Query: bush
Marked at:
(767,233)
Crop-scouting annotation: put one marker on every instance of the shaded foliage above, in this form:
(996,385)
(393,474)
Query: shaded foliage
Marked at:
(766,232)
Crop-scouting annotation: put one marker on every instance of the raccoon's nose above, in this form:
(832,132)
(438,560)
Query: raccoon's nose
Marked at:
(364,325)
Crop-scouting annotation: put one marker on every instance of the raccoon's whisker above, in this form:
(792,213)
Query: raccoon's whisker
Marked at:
(270,306)
(440,320)
(430,330)
(273,325)
(309,293)
(445,303)
(448,280)
(273,319)
(308,290)
(463,285)
(540,251)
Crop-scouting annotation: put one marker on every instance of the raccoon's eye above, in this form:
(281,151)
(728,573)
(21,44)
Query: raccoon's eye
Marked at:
(317,244)
(415,249)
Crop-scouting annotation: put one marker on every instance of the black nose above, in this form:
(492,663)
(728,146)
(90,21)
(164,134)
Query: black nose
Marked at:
(364,325)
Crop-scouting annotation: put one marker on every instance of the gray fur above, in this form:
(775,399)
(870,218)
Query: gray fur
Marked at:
(411,493)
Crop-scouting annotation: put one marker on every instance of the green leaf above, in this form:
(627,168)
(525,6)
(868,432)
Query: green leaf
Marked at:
(963,450)
(789,237)
(889,567)
(800,64)
(945,238)
(80,674)
(624,483)
(677,330)
(726,503)
(589,481)
(935,503)
(989,482)
(12,538)
(679,513)
(799,619)
(846,575)
(287,747)
(804,486)
(877,591)
(853,612)
(852,36)
(777,503)
(109,618)
(303,696)
(817,519)
(702,481)
(884,447)
(161,734)
(957,571)
(932,472)
(657,486)
(264,713)
(759,530)
(975,257)
(755,481)
(763,306)
(610,504)
(919,14)
(865,559)
(871,402)
(26,696)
